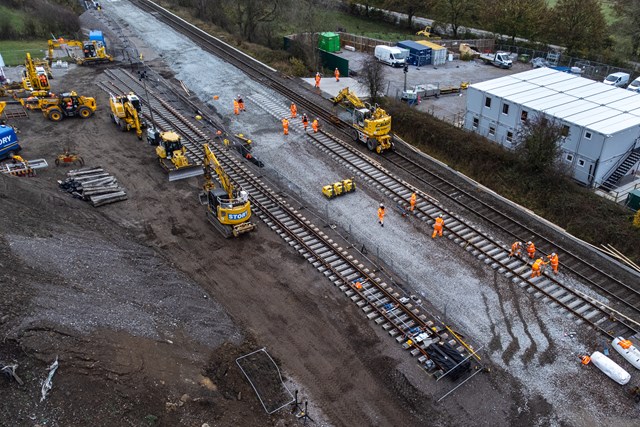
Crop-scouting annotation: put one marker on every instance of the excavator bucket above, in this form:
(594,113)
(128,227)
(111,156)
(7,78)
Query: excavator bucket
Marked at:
(186,172)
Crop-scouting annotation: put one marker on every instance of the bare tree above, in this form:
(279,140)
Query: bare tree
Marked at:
(539,143)
(455,13)
(250,13)
(374,78)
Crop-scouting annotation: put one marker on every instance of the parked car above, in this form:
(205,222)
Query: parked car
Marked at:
(617,79)
(634,85)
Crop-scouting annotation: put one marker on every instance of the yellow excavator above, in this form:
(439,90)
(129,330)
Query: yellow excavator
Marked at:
(126,113)
(372,125)
(426,32)
(93,51)
(172,154)
(228,208)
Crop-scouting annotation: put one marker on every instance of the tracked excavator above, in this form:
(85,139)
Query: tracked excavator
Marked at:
(126,113)
(93,51)
(228,207)
(172,154)
(372,125)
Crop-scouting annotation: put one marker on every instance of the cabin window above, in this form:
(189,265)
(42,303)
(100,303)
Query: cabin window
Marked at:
(523,116)
(487,102)
(587,135)
(510,137)
(581,163)
(492,130)
(505,108)
(565,131)
(476,122)
(569,158)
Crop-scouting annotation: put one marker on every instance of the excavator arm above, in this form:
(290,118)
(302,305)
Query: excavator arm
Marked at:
(349,96)
(131,111)
(211,162)
(53,44)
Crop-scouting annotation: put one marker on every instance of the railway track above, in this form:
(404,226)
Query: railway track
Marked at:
(419,334)
(625,298)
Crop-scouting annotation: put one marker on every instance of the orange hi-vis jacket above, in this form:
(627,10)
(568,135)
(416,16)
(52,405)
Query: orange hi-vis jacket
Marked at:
(438,224)
(381,213)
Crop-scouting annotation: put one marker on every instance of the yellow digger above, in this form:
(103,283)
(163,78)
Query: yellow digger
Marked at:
(372,125)
(93,52)
(126,113)
(172,154)
(426,33)
(35,78)
(228,208)
(57,107)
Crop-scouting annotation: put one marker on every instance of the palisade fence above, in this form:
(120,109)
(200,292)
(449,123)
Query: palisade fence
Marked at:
(590,69)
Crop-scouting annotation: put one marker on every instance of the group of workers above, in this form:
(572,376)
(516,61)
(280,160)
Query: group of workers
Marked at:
(336,74)
(438,225)
(315,125)
(538,264)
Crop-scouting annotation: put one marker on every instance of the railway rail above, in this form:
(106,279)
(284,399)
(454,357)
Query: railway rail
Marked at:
(419,334)
(625,298)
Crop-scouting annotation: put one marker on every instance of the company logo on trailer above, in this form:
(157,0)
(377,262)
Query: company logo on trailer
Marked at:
(5,140)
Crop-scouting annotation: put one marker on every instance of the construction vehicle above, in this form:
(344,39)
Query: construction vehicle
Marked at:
(57,107)
(339,188)
(93,51)
(9,145)
(228,207)
(172,154)
(372,125)
(126,113)
(35,78)
(498,59)
(426,32)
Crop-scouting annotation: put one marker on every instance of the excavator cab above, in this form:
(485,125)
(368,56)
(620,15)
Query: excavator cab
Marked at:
(172,154)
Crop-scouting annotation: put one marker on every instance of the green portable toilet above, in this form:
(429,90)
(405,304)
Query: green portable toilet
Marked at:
(329,42)
(633,199)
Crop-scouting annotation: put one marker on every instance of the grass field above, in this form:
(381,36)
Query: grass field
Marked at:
(13,51)
(607,9)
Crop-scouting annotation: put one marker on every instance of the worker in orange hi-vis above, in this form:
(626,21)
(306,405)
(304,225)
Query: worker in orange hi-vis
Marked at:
(294,110)
(381,214)
(536,268)
(337,74)
(285,126)
(315,125)
(531,249)
(553,259)
(240,103)
(236,107)
(585,360)
(437,227)
(412,200)
(305,121)
(317,80)
(516,249)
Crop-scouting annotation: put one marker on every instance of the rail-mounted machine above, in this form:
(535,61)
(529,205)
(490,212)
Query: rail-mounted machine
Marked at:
(372,125)
(172,154)
(228,207)
(126,113)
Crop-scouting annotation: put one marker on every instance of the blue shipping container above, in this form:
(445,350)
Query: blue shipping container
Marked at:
(8,141)
(419,54)
(97,36)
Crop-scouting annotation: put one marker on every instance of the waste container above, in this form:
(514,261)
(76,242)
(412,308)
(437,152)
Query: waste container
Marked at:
(633,199)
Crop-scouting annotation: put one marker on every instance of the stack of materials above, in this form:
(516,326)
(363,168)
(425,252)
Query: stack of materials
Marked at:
(93,185)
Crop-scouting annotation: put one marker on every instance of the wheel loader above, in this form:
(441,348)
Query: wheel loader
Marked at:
(172,154)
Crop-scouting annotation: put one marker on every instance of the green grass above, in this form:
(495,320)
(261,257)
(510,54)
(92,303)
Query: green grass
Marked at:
(13,51)
(607,9)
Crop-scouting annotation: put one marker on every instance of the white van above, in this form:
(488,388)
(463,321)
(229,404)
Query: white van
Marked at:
(390,55)
(617,79)
(634,86)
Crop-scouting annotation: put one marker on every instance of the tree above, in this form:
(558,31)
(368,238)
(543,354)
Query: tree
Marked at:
(374,78)
(628,23)
(250,13)
(455,13)
(539,143)
(410,7)
(579,24)
(515,18)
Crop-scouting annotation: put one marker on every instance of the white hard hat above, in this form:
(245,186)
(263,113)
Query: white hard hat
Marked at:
(440,216)
(529,242)
(553,254)
(381,205)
